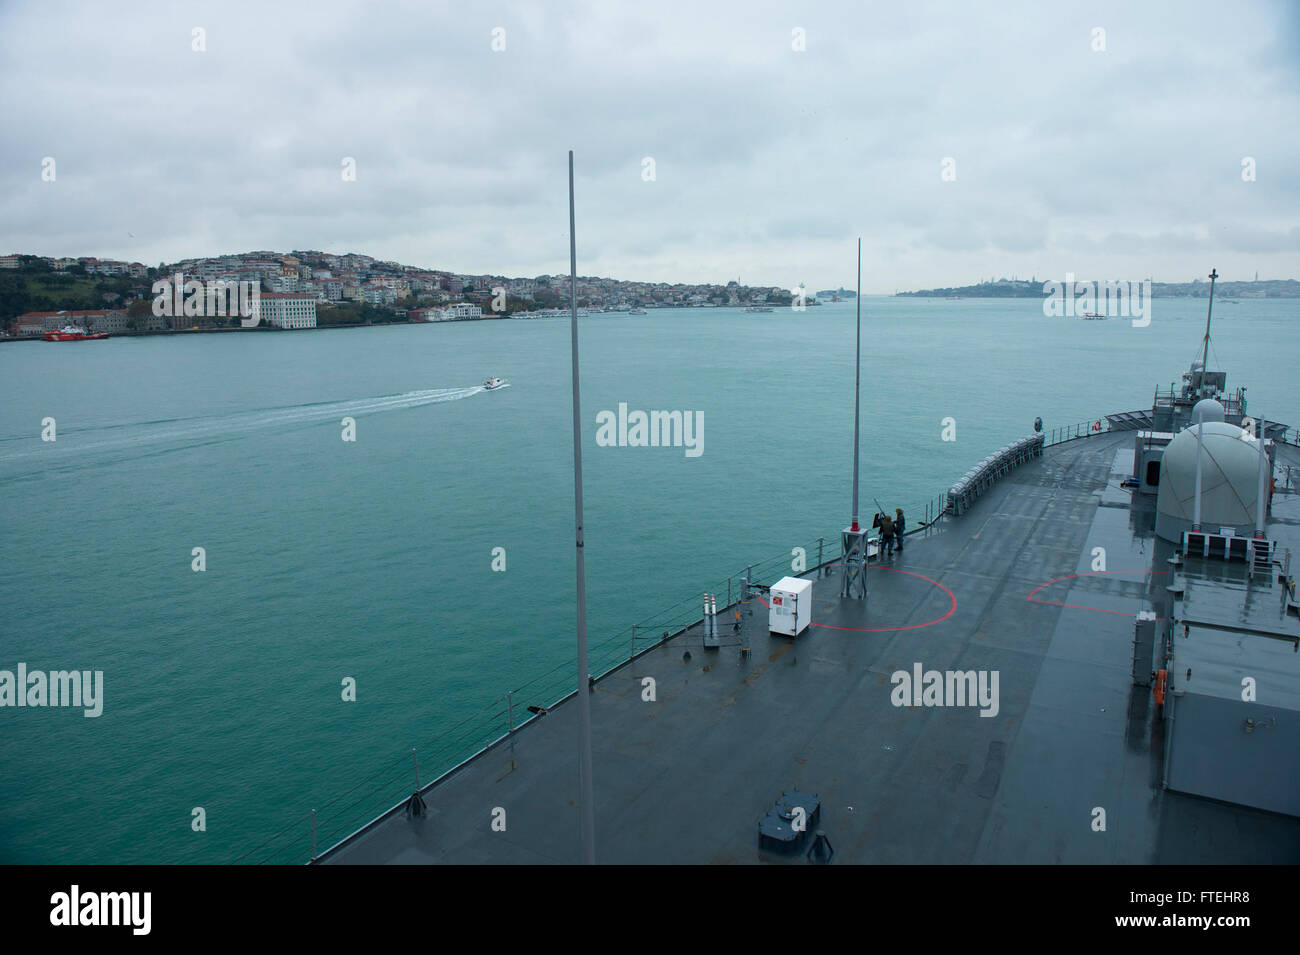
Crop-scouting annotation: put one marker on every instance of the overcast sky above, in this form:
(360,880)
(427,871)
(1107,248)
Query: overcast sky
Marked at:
(768,161)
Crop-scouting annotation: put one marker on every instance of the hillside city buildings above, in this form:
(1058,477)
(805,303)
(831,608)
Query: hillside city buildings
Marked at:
(298,289)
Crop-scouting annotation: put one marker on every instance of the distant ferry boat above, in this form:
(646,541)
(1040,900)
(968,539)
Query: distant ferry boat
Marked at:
(759,308)
(493,383)
(1093,316)
(636,311)
(71,333)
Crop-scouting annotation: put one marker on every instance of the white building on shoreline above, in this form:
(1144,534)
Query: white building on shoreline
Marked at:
(459,312)
(288,309)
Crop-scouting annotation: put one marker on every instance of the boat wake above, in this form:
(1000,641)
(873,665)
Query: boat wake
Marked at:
(179,433)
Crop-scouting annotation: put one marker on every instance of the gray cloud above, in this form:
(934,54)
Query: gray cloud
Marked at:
(768,161)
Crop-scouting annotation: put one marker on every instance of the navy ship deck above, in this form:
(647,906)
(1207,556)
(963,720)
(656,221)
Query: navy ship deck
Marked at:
(1008,586)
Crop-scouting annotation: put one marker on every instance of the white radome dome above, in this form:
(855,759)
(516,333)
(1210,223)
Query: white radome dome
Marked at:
(1207,410)
(1229,480)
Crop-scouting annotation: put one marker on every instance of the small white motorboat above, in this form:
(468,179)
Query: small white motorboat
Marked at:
(493,383)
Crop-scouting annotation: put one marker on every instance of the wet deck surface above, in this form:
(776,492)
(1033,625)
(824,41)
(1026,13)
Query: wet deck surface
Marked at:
(687,778)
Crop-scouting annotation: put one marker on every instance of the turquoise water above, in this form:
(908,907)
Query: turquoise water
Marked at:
(373,559)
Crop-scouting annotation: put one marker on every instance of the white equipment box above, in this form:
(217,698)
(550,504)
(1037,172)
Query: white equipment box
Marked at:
(790,606)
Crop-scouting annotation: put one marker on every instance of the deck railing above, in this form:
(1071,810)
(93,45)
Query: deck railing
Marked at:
(1071,432)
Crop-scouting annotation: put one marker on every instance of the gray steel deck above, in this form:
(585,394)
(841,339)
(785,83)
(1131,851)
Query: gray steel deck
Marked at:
(686,779)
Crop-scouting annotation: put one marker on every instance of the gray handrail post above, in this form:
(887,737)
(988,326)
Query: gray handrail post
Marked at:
(820,542)
(416,759)
(728,591)
(510,701)
(313,835)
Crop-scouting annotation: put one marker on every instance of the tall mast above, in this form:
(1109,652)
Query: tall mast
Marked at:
(857,387)
(586,807)
(1205,354)
(854,539)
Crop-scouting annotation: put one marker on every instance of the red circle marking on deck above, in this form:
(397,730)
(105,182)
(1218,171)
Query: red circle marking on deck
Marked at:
(915,626)
(1088,573)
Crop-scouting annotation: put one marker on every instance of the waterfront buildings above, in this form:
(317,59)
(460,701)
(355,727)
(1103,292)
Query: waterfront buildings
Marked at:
(460,311)
(36,324)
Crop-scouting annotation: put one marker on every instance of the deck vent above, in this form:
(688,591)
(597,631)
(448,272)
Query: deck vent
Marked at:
(786,826)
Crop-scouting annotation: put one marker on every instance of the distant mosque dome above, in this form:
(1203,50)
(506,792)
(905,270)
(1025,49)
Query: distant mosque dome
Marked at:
(1207,410)
(1229,479)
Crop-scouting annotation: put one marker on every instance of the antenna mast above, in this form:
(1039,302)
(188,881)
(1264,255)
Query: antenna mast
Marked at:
(857,388)
(854,538)
(1205,354)
(586,807)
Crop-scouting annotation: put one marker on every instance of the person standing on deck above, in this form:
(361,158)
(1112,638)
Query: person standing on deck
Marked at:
(900,524)
(887,534)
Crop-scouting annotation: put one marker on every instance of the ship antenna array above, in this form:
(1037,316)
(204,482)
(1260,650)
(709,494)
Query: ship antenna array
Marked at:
(586,806)
(1205,353)
(857,386)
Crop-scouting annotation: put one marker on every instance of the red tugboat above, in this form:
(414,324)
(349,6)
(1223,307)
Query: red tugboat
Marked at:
(71,333)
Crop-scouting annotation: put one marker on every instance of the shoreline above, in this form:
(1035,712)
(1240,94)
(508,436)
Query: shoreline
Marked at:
(517,316)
